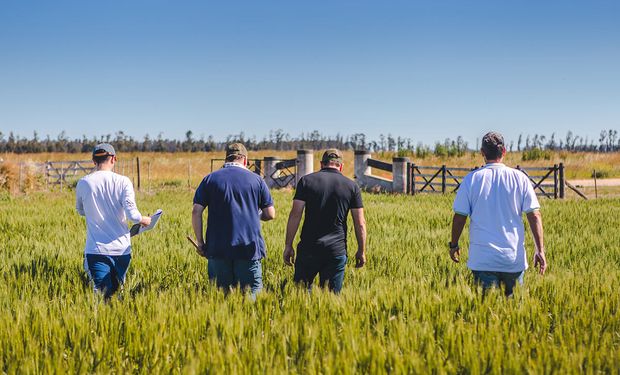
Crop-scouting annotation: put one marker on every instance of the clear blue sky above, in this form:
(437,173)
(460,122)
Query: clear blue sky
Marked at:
(420,69)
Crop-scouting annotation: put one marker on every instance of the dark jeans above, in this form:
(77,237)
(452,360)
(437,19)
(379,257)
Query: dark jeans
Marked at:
(329,268)
(230,273)
(107,272)
(495,279)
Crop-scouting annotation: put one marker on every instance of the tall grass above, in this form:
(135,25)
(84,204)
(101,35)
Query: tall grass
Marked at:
(410,310)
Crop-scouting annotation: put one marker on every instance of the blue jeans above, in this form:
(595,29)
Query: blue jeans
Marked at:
(107,272)
(329,268)
(228,273)
(495,279)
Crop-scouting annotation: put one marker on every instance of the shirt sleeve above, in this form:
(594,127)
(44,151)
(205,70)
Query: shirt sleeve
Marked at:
(201,196)
(79,203)
(128,201)
(356,199)
(265,196)
(462,205)
(300,190)
(530,201)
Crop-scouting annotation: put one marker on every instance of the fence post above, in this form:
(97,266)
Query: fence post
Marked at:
(399,174)
(413,167)
(47,175)
(408,177)
(270,170)
(258,168)
(21,177)
(138,170)
(555,181)
(561,180)
(305,164)
(189,173)
(361,168)
(443,179)
(595,185)
(62,175)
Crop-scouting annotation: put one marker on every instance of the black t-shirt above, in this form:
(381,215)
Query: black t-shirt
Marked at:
(329,196)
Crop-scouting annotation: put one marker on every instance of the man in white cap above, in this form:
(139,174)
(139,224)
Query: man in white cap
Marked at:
(106,200)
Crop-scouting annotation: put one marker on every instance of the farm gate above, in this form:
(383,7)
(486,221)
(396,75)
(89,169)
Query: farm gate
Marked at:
(547,181)
(66,173)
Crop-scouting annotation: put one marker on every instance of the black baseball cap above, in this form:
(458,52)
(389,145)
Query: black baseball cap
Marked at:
(103,149)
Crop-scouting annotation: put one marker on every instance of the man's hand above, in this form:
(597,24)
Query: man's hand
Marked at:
(360,259)
(146,221)
(289,255)
(541,261)
(455,253)
(202,249)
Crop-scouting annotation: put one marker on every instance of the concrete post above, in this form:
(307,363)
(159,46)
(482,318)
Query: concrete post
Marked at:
(270,170)
(305,164)
(361,168)
(399,175)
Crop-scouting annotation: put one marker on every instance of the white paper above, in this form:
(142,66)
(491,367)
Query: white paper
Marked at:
(154,219)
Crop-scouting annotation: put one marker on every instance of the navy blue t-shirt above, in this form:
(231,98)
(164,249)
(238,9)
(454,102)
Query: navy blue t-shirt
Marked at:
(233,196)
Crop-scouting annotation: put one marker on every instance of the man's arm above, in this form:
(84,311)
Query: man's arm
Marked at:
(359,223)
(79,205)
(128,200)
(197,211)
(294,218)
(534,218)
(268,213)
(458,223)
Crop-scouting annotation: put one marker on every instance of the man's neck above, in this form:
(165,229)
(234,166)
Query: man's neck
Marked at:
(235,164)
(331,167)
(495,161)
(105,167)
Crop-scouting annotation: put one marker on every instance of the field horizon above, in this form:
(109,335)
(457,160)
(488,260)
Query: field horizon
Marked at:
(164,170)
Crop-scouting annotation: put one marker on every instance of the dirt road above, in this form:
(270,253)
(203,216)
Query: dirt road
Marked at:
(600,182)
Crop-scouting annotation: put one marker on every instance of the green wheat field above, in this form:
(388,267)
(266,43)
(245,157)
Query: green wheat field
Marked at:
(411,310)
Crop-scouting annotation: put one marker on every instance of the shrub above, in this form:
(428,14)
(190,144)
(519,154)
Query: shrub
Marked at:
(8,176)
(536,154)
(422,151)
(600,174)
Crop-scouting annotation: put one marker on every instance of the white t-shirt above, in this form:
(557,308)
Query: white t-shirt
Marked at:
(107,199)
(495,197)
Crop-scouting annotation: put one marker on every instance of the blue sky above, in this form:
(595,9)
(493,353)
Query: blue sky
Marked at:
(426,70)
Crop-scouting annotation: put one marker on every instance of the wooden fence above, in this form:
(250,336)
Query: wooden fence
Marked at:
(66,173)
(547,181)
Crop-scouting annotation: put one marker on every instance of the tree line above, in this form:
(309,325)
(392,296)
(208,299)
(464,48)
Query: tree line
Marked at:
(280,140)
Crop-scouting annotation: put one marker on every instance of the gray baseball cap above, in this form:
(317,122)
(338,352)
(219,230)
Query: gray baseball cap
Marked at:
(332,154)
(236,149)
(103,149)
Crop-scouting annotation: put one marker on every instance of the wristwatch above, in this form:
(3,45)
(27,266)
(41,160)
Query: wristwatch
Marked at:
(453,247)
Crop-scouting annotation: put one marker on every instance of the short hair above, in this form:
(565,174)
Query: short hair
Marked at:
(337,163)
(102,159)
(231,158)
(493,145)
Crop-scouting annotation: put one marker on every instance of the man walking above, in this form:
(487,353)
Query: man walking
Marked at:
(327,197)
(494,197)
(106,200)
(237,198)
